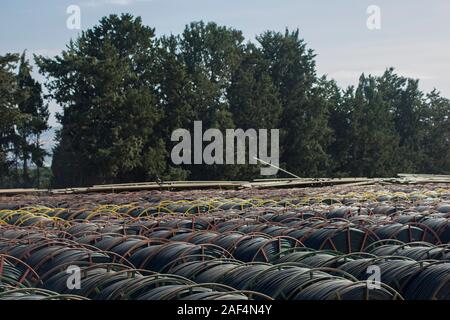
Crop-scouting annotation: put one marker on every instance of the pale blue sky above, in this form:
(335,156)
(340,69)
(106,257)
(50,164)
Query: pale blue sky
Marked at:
(414,36)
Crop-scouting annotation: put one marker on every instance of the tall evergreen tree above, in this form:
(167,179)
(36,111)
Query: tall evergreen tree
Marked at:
(175,96)
(252,96)
(406,104)
(375,141)
(211,54)
(437,134)
(105,83)
(305,134)
(10,115)
(35,116)
(253,100)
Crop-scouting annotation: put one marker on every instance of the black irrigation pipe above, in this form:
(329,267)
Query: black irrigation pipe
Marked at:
(36,294)
(308,248)
(241,276)
(418,251)
(430,282)
(157,257)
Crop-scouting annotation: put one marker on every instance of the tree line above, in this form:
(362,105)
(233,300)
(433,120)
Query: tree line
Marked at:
(123,90)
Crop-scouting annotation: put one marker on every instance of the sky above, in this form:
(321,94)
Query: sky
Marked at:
(413,35)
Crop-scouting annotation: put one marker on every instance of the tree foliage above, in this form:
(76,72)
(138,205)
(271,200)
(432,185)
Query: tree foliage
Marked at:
(123,91)
(24,118)
(105,83)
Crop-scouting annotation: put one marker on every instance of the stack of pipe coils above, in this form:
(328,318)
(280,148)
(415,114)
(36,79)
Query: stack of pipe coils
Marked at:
(291,244)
